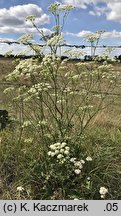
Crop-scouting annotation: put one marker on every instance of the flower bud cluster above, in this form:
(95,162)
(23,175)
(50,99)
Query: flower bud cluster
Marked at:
(60,151)
(30,18)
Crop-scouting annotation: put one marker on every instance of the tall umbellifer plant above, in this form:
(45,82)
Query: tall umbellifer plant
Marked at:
(94,39)
(38,80)
(58,98)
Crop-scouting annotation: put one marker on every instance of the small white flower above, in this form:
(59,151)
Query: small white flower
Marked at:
(67,148)
(60,156)
(66,152)
(103,192)
(62,161)
(26,124)
(29,140)
(88,158)
(82,161)
(77,171)
(56,151)
(57,144)
(52,154)
(88,178)
(102,196)
(61,150)
(72,160)
(52,147)
(63,144)
(78,164)
(20,189)
(49,153)
(76,199)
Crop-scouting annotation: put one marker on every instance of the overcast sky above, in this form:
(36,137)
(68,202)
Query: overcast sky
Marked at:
(88,16)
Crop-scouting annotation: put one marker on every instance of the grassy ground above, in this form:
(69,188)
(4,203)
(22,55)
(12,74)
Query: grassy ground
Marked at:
(6,65)
(21,162)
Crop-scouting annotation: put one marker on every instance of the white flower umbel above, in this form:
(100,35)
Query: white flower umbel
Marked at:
(103,191)
(52,154)
(60,156)
(78,164)
(67,148)
(56,151)
(72,160)
(88,158)
(60,151)
(26,124)
(82,161)
(29,140)
(49,153)
(20,189)
(66,152)
(77,171)
(53,147)
(63,144)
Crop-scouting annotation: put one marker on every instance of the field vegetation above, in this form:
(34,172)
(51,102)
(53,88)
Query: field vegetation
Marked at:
(63,140)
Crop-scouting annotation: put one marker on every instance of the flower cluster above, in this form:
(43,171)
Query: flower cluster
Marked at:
(86,107)
(29,140)
(103,191)
(30,18)
(73,53)
(25,68)
(9,90)
(60,151)
(78,165)
(55,41)
(88,158)
(50,59)
(40,123)
(25,38)
(53,8)
(20,188)
(26,124)
(37,88)
(94,36)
